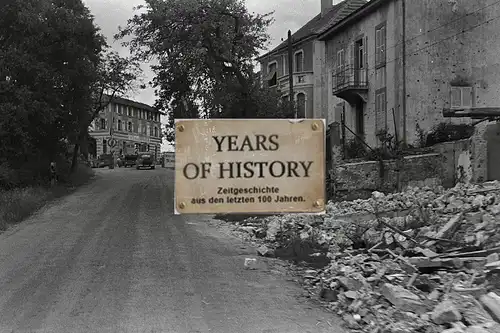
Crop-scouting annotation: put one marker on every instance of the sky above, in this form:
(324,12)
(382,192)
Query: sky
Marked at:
(288,14)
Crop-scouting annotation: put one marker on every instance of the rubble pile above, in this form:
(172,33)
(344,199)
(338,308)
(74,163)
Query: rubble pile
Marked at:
(424,260)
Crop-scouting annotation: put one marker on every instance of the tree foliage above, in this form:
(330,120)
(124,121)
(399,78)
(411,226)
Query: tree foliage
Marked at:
(205,51)
(52,65)
(116,76)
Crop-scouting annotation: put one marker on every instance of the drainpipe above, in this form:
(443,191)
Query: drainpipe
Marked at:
(403,5)
(290,71)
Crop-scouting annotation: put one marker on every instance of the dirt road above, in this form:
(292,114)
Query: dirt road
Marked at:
(113,258)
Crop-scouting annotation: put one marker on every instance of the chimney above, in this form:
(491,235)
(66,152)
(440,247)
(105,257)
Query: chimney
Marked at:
(326,5)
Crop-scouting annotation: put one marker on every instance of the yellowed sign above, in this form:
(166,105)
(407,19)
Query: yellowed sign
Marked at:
(249,166)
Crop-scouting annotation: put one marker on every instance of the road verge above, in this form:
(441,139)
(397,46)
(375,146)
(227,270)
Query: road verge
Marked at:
(19,203)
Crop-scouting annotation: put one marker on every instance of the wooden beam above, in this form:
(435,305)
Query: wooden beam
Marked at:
(472,112)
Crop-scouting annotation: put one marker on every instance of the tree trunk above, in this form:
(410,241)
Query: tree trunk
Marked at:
(84,146)
(74,160)
(79,140)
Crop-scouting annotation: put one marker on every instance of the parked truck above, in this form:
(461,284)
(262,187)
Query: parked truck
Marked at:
(129,160)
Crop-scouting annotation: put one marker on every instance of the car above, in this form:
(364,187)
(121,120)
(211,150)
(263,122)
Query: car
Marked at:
(130,160)
(105,160)
(145,160)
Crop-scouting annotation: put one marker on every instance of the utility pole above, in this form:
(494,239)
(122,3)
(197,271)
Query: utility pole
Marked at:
(290,71)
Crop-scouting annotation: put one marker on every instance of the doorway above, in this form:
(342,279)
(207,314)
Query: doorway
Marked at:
(359,118)
(301,105)
(493,151)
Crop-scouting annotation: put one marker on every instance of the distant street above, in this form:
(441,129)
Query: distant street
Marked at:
(113,258)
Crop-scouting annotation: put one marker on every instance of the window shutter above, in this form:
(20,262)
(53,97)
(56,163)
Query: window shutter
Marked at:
(377,46)
(456,98)
(467,97)
(352,55)
(351,58)
(384,106)
(365,49)
(382,44)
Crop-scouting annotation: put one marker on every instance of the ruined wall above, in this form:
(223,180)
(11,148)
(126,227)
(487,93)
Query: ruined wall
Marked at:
(357,179)
(457,160)
(450,43)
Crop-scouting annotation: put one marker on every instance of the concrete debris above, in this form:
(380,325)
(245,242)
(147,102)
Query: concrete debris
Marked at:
(251,263)
(264,251)
(445,313)
(403,299)
(424,260)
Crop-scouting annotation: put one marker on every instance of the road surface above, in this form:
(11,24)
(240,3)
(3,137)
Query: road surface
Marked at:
(112,257)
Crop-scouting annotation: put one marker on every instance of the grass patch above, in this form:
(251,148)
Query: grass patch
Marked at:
(19,203)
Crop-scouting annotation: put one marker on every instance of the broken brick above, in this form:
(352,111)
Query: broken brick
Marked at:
(445,313)
(403,299)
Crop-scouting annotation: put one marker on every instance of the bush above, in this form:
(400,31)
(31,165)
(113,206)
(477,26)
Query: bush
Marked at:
(18,203)
(354,148)
(446,132)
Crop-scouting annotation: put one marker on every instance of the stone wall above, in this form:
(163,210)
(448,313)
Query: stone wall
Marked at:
(358,180)
(457,160)
(470,160)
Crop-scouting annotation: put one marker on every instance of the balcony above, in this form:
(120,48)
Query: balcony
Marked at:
(299,80)
(351,84)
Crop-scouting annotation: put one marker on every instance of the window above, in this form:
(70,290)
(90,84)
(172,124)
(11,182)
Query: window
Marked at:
(150,131)
(360,55)
(156,131)
(119,125)
(104,147)
(130,126)
(301,105)
(117,109)
(461,97)
(380,37)
(340,66)
(272,75)
(380,110)
(103,124)
(299,61)
(134,110)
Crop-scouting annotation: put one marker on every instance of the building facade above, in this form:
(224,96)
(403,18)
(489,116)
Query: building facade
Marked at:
(135,127)
(306,59)
(395,64)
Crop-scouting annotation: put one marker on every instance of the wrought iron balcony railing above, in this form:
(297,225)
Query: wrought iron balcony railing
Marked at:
(350,77)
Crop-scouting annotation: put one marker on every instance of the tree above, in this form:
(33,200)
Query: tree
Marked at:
(205,51)
(116,76)
(49,54)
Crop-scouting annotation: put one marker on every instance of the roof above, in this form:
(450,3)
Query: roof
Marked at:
(354,16)
(320,23)
(129,102)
